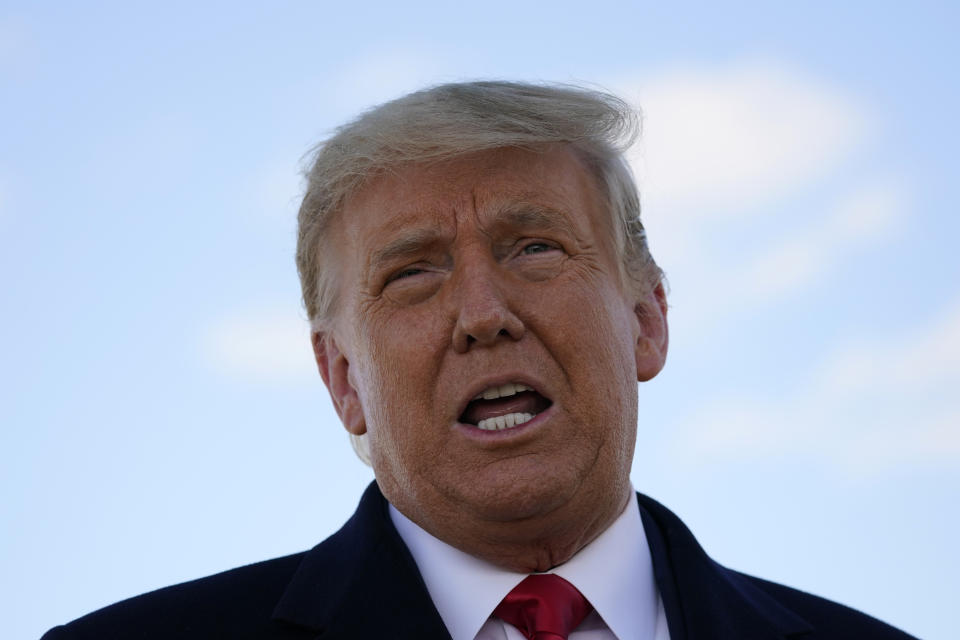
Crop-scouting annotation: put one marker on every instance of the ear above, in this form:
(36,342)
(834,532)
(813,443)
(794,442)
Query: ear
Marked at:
(335,371)
(650,349)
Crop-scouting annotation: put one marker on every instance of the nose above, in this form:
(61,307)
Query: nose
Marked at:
(484,315)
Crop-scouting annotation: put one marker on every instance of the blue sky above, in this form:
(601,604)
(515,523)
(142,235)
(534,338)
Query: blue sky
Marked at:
(161,419)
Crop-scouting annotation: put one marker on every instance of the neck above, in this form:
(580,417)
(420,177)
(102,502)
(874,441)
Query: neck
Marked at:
(526,545)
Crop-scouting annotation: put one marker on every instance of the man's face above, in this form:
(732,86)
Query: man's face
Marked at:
(492,274)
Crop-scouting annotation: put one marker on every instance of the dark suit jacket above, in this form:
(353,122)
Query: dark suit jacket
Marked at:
(362,582)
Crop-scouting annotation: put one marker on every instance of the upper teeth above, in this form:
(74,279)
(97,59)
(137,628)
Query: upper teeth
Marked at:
(502,391)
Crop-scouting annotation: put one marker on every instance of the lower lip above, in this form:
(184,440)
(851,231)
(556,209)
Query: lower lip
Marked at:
(496,435)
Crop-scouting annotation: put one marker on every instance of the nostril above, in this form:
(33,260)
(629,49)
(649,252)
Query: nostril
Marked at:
(502,332)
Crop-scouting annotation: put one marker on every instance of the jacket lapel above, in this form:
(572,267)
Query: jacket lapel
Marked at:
(702,599)
(361,582)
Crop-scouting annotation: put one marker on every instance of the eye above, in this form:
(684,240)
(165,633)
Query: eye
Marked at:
(412,284)
(536,247)
(405,273)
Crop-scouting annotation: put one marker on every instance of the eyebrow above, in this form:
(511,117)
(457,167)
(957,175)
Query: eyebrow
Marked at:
(527,215)
(407,244)
(516,214)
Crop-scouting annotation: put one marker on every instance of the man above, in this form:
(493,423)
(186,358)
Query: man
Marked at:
(483,303)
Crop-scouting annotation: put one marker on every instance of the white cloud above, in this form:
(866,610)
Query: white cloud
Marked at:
(921,359)
(881,406)
(864,217)
(262,346)
(729,139)
(722,146)
(738,428)
(930,440)
(713,282)
(845,437)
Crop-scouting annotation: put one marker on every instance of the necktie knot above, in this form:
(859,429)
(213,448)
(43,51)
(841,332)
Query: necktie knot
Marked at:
(544,607)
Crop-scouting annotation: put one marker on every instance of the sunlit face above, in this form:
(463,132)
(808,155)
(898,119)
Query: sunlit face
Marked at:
(492,274)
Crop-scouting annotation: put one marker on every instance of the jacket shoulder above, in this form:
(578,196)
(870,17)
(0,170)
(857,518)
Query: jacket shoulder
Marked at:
(830,619)
(361,582)
(237,603)
(702,596)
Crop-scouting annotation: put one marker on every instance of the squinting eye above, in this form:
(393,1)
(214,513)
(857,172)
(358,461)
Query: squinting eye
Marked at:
(537,247)
(406,273)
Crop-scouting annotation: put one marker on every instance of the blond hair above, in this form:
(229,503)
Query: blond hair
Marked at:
(451,120)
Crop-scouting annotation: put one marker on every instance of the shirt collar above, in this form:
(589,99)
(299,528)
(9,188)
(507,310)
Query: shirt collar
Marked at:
(614,572)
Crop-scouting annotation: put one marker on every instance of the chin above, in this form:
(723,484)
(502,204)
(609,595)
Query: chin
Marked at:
(514,494)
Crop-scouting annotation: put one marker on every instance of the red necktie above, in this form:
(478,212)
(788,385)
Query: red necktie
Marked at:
(544,607)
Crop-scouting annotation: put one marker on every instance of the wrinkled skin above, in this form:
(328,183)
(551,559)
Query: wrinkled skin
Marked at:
(501,266)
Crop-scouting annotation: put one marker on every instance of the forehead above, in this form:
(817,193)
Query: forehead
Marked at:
(480,185)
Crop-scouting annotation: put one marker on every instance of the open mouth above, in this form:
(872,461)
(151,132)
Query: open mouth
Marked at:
(504,406)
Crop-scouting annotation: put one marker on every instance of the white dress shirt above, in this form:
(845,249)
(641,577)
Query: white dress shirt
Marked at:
(614,572)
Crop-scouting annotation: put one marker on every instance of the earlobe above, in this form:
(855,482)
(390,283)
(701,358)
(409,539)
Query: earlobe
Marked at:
(335,371)
(653,336)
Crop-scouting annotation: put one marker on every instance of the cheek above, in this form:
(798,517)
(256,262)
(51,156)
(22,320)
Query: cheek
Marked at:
(591,324)
(396,384)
